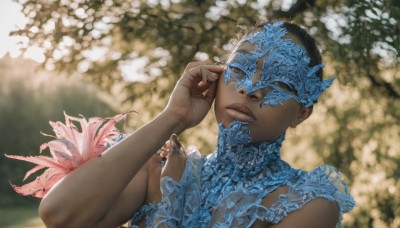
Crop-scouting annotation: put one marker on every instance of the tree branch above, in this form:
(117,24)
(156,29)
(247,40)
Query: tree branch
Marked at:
(298,7)
(385,85)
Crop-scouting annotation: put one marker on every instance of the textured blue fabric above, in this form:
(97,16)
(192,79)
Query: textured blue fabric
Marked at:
(226,188)
(284,63)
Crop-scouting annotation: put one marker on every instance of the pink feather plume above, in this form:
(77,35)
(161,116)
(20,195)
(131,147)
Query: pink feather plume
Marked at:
(70,149)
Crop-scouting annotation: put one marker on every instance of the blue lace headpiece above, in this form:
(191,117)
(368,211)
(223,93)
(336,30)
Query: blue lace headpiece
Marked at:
(285,63)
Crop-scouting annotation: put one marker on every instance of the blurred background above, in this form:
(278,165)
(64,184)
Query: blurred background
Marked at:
(102,57)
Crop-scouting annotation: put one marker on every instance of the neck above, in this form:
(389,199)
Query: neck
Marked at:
(237,157)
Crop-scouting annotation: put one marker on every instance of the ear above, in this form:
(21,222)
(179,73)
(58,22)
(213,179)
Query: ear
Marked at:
(302,115)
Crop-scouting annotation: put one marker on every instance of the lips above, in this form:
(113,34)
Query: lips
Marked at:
(240,112)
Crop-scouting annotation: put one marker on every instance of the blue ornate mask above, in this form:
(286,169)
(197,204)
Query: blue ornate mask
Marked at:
(285,72)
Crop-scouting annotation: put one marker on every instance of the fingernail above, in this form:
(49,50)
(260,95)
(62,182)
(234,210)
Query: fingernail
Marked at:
(173,137)
(214,76)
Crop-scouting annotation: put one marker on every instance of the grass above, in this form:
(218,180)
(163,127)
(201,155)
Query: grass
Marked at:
(20,217)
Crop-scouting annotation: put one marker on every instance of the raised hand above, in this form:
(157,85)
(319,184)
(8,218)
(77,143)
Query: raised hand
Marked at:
(194,93)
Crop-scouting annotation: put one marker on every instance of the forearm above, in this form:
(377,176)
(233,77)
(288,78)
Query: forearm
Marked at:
(86,194)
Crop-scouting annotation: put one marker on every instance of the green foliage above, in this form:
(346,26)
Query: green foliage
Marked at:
(20,217)
(28,100)
(356,125)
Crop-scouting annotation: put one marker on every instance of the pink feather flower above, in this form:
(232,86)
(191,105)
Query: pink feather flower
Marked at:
(69,150)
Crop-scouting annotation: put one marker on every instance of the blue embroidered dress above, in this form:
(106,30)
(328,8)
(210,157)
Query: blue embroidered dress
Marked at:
(226,188)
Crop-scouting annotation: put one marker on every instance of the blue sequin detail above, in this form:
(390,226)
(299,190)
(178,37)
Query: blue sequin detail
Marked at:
(284,62)
(226,188)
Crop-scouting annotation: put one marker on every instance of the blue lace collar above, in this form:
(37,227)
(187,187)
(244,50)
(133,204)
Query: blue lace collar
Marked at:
(237,157)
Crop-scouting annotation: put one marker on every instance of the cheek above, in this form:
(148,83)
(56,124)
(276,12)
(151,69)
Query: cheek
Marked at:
(274,121)
(221,99)
(268,129)
(282,114)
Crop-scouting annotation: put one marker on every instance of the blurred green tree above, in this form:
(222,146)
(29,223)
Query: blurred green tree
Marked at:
(28,100)
(356,128)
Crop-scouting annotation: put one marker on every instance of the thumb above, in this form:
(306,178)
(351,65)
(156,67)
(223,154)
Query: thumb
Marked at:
(176,159)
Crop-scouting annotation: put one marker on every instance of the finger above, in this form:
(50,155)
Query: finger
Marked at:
(197,79)
(170,145)
(174,167)
(204,86)
(207,75)
(204,75)
(215,68)
(210,95)
(154,162)
(176,159)
(199,76)
(204,68)
(153,183)
(192,65)
(176,147)
(163,151)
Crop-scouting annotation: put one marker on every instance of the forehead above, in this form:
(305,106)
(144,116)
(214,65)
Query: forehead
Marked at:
(273,52)
(247,45)
(244,47)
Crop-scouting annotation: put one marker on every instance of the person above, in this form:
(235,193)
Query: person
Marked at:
(270,83)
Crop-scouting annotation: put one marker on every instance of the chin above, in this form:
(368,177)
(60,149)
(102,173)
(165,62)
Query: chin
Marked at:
(225,123)
(258,140)
(258,137)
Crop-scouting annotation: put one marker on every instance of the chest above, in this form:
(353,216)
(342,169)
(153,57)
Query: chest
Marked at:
(229,204)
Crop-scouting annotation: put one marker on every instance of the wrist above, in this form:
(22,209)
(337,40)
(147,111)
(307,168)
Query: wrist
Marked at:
(176,122)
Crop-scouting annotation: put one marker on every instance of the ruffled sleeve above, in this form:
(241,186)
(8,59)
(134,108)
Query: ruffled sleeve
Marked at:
(329,177)
(180,202)
(323,182)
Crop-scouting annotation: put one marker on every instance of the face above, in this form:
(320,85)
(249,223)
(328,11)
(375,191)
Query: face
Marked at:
(265,122)
(261,87)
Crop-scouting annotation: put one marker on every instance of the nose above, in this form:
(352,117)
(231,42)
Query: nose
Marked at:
(253,96)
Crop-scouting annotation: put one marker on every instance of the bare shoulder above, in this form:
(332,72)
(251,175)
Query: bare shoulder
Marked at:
(317,213)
